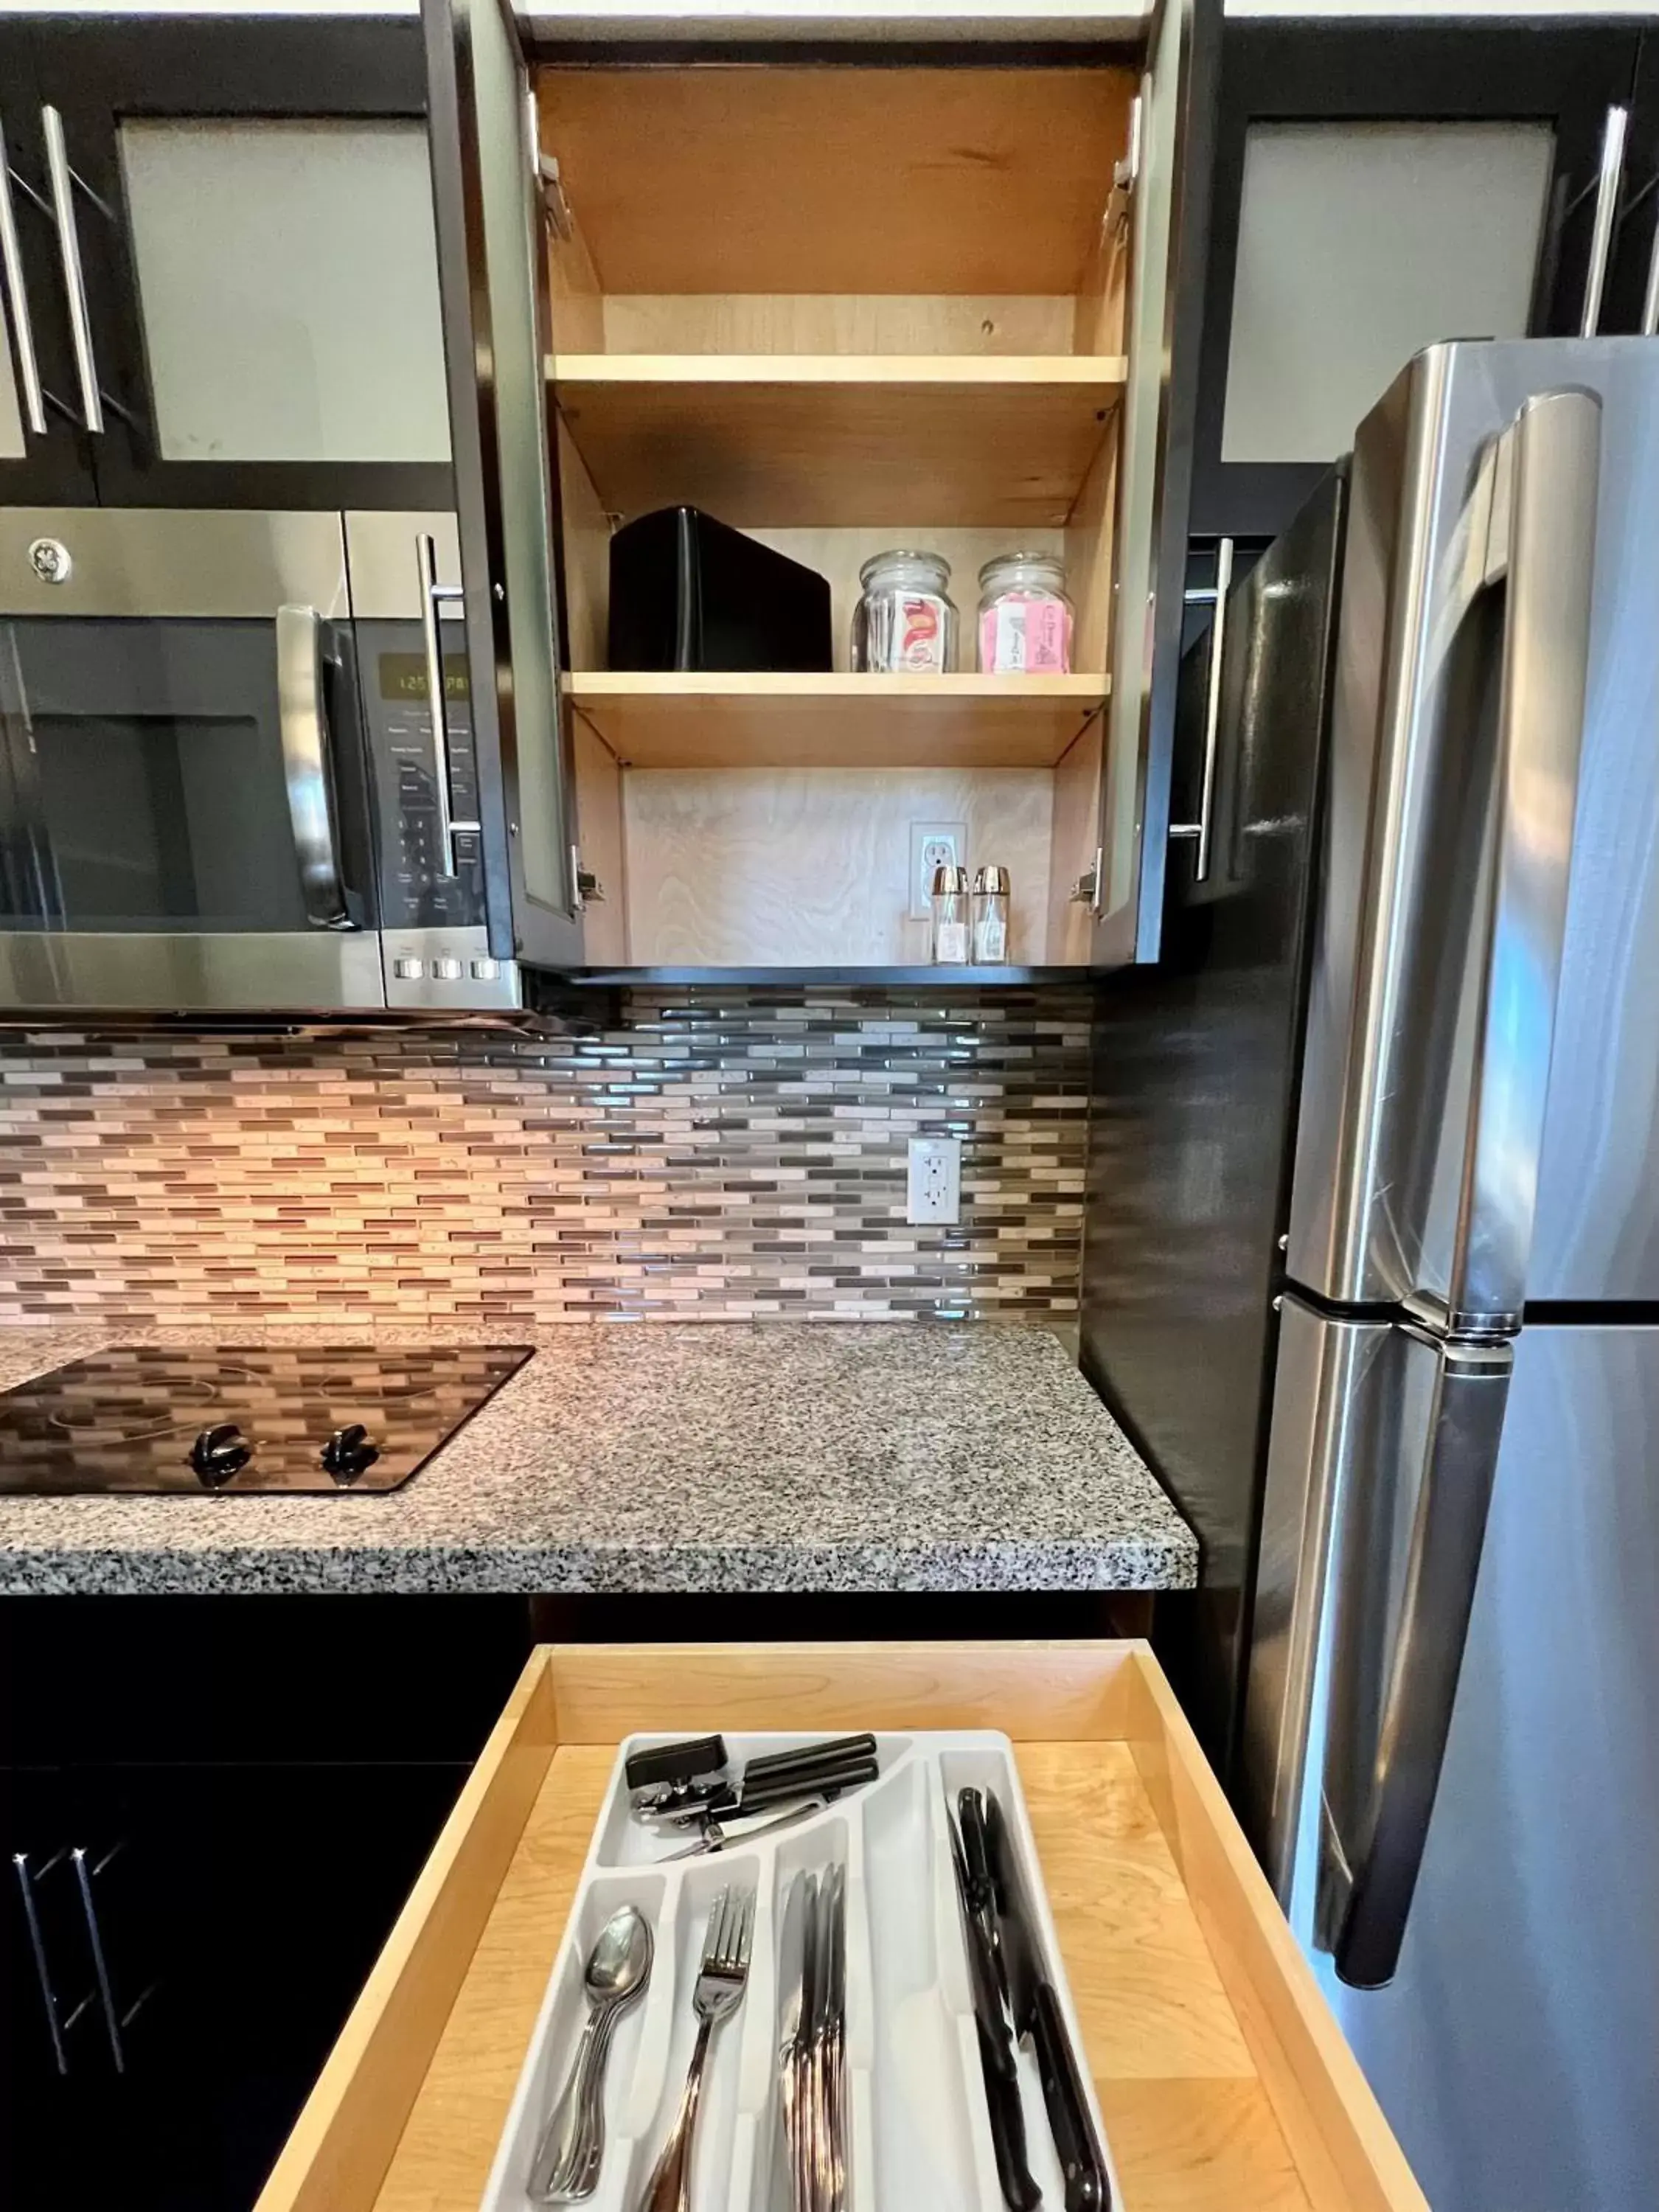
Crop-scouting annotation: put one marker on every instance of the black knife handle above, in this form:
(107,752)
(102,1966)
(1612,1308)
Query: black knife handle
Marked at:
(1019,2192)
(1087,2188)
(832,1751)
(754,1798)
(975,1850)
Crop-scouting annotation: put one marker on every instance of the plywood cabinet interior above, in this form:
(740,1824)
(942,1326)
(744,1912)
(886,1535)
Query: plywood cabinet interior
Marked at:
(844,309)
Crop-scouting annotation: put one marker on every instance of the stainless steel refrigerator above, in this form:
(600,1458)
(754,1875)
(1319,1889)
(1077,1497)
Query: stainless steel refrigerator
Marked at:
(1374,1254)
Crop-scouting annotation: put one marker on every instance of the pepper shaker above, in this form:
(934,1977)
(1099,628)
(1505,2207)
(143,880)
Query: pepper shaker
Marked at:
(950,922)
(990,925)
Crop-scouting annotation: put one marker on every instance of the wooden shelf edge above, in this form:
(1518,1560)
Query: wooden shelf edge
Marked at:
(955,690)
(1083,372)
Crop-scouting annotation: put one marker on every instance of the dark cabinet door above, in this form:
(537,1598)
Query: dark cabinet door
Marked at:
(180,1946)
(493,274)
(45,457)
(242,224)
(1378,188)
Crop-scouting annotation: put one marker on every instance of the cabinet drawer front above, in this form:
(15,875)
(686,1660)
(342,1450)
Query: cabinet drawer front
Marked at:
(1223,2081)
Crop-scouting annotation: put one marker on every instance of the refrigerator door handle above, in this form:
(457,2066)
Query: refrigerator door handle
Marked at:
(1370,1852)
(1531,528)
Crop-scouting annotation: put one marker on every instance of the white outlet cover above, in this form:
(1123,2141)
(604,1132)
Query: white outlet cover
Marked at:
(932,845)
(934,1185)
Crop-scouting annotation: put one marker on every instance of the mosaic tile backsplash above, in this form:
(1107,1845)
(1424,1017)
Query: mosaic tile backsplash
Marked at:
(719,1154)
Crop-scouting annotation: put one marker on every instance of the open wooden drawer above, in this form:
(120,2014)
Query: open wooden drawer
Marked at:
(1225,2084)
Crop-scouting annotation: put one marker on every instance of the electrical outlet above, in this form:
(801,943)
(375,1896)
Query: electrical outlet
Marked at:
(935,1187)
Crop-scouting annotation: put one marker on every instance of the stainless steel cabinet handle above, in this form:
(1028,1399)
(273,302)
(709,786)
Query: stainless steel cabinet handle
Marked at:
(1606,206)
(434,595)
(1365,1904)
(1202,828)
(1540,486)
(83,1877)
(16,302)
(38,1953)
(302,726)
(75,281)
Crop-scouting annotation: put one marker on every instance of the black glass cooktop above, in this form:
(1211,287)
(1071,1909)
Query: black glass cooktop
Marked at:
(241,1418)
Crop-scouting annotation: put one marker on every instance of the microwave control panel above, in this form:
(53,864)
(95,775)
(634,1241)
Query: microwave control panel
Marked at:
(416,890)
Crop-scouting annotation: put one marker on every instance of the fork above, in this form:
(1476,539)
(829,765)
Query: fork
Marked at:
(717,1994)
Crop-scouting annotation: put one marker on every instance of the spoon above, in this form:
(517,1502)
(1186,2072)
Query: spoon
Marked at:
(567,2163)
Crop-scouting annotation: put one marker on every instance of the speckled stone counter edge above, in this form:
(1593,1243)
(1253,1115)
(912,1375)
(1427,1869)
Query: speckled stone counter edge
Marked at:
(675,1458)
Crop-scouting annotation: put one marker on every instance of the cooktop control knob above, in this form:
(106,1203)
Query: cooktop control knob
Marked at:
(349,1451)
(217,1453)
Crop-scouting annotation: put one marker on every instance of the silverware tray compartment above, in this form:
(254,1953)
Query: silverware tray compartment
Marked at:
(918,2137)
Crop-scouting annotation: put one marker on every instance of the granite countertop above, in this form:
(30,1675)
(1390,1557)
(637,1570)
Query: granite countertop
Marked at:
(710,1456)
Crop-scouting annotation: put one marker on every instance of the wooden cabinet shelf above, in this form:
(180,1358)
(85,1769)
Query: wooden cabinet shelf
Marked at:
(838,440)
(769,721)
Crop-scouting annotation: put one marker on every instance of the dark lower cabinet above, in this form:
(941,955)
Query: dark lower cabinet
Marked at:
(211,1812)
(183,1945)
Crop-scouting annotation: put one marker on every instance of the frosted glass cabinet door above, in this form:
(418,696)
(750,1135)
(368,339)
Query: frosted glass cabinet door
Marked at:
(1359,244)
(1381,186)
(287,288)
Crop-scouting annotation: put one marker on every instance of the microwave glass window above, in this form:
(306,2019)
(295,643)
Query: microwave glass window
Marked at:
(288,279)
(1359,244)
(142,783)
(157,822)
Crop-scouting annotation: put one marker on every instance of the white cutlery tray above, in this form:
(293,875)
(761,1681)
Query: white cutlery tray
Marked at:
(918,2135)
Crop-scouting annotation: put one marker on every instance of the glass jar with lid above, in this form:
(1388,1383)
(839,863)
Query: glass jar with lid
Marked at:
(1024,616)
(904,623)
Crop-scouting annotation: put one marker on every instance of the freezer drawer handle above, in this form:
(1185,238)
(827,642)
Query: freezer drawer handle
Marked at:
(1364,1906)
(302,726)
(1201,828)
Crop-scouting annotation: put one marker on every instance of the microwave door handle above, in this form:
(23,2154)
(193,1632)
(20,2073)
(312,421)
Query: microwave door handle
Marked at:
(433,596)
(1540,491)
(302,722)
(1420,1670)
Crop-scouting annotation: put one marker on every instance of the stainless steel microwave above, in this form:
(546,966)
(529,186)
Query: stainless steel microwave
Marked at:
(221,788)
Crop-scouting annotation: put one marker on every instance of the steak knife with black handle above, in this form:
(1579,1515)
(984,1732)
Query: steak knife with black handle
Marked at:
(1034,2007)
(996,2052)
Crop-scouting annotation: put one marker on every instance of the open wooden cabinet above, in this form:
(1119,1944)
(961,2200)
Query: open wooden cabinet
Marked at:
(843,297)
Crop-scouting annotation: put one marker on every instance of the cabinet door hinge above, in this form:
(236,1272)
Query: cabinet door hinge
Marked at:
(1126,174)
(589,891)
(544,168)
(1087,889)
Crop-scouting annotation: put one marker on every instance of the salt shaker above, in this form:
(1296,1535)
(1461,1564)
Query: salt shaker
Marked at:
(990,925)
(949,932)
